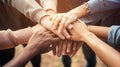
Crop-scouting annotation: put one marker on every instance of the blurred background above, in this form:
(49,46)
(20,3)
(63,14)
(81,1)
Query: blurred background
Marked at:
(48,60)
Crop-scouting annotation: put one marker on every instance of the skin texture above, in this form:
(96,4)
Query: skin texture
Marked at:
(61,21)
(106,53)
(48,24)
(38,43)
(66,47)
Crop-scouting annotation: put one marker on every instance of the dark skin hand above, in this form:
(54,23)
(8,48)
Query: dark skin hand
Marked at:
(38,43)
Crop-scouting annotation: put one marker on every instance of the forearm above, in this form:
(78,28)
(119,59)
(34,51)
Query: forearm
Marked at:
(30,8)
(81,10)
(10,39)
(49,5)
(22,36)
(99,31)
(103,50)
(20,61)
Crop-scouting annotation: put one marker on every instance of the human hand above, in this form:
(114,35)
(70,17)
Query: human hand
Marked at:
(40,41)
(78,31)
(75,48)
(66,48)
(48,24)
(70,48)
(37,28)
(61,21)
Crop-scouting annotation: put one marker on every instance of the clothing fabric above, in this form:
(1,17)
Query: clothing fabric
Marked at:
(100,9)
(97,6)
(14,38)
(114,36)
(30,8)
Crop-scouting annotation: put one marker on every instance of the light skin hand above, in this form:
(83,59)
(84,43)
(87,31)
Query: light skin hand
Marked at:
(47,24)
(78,31)
(75,48)
(67,47)
(61,21)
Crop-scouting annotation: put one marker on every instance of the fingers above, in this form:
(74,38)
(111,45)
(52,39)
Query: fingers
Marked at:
(60,49)
(61,25)
(68,22)
(78,45)
(54,49)
(69,47)
(64,47)
(56,20)
(66,34)
(74,45)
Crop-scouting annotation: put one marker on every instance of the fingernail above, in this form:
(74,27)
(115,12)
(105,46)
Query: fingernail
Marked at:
(59,32)
(68,36)
(62,37)
(70,26)
(68,51)
(53,28)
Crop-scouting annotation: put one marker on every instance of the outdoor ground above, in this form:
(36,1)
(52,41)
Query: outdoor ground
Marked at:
(48,60)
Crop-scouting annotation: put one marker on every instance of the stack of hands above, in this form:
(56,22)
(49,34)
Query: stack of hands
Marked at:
(69,30)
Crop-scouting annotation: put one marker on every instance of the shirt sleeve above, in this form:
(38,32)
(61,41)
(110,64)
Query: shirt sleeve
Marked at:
(30,8)
(114,36)
(10,39)
(103,5)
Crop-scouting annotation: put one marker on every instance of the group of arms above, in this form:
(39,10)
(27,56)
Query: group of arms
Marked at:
(71,33)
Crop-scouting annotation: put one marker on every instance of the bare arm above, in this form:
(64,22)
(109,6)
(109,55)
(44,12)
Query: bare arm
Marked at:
(30,8)
(50,6)
(99,31)
(106,53)
(10,39)
(38,43)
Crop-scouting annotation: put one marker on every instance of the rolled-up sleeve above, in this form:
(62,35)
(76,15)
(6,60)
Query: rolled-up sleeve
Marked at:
(102,5)
(114,36)
(30,8)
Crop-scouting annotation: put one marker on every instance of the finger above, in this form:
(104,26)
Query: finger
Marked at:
(77,48)
(53,20)
(73,48)
(61,26)
(57,49)
(68,22)
(64,47)
(69,47)
(70,26)
(51,35)
(66,34)
(60,48)
(55,39)
(56,22)
(74,45)
(54,49)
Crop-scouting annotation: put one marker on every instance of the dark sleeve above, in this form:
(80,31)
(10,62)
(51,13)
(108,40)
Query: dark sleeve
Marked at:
(114,36)
(103,5)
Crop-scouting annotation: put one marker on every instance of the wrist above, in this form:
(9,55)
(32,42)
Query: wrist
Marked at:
(42,18)
(87,36)
(50,11)
(81,11)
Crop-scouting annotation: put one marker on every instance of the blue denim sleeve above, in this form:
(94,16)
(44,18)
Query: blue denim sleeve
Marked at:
(114,36)
(103,5)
